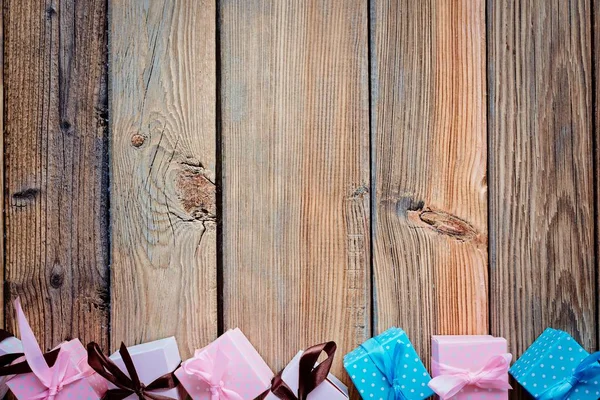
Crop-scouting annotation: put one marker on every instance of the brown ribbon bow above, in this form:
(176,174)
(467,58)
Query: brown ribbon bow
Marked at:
(20,368)
(126,386)
(309,376)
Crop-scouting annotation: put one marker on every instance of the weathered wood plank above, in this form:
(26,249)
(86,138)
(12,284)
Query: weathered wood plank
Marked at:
(296,174)
(163,101)
(429,146)
(541,171)
(56,167)
(596,61)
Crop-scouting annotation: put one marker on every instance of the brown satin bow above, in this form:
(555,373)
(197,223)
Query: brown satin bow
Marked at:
(20,368)
(126,386)
(309,376)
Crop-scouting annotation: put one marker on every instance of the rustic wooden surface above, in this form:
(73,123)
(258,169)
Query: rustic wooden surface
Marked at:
(163,160)
(429,153)
(542,260)
(55,188)
(295,174)
(260,149)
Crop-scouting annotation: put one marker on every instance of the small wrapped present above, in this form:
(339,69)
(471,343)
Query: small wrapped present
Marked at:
(142,371)
(294,382)
(61,375)
(387,366)
(230,368)
(10,350)
(470,367)
(556,367)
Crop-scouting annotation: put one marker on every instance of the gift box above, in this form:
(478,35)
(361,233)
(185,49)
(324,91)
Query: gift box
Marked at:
(555,366)
(69,377)
(228,365)
(470,367)
(8,345)
(388,363)
(330,389)
(151,361)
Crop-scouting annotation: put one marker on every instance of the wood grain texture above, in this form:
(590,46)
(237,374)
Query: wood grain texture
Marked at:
(541,171)
(429,161)
(163,101)
(596,61)
(56,167)
(296,174)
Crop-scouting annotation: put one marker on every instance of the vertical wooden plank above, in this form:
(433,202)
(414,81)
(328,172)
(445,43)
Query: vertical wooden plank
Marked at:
(541,171)
(163,100)
(429,146)
(596,72)
(2,252)
(56,167)
(296,174)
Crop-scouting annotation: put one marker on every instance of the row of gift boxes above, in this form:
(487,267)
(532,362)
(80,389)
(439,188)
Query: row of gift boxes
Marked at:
(384,367)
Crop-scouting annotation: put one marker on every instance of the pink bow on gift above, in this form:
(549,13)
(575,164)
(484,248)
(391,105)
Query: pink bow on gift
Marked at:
(451,380)
(53,378)
(210,368)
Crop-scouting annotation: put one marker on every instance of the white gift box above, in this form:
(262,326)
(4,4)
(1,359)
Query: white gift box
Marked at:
(152,360)
(331,389)
(10,345)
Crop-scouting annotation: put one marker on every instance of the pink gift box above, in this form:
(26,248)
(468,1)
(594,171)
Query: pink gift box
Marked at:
(469,352)
(232,363)
(152,360)
(93,387)
(330,389)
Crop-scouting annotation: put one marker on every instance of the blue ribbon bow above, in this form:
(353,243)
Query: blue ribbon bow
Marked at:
(386,364)
(588,368)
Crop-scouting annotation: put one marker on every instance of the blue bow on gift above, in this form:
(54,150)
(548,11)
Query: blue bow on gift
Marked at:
(386,364)
(588,368)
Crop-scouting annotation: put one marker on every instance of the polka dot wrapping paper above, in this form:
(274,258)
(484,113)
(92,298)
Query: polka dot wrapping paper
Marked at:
(410,373)
(470,353)
(552,358)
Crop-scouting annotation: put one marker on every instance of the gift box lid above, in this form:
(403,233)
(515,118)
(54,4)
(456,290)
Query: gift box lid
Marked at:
(470,352)
(151,359)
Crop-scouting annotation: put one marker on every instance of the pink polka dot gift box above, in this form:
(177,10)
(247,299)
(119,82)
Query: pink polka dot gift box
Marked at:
(470,367)
(556,367)
(229,368)
(67,377)
(388,367)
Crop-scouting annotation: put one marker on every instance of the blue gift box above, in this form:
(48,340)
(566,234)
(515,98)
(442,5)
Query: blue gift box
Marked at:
(550,362)
(385,360)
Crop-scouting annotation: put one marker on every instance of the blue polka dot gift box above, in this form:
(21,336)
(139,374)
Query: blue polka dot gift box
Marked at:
(387,367)
(556,367)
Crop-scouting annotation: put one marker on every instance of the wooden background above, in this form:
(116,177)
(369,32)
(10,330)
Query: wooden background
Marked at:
(305,170)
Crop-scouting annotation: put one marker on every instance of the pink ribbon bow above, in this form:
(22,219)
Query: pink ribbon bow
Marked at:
(451,380)
(209,365)
(53,378)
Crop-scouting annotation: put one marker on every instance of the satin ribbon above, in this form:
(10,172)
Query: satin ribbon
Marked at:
(587,369)
(387,364)
(309,375)
(210,366)
(452,380)
(54,378)
(126,385)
